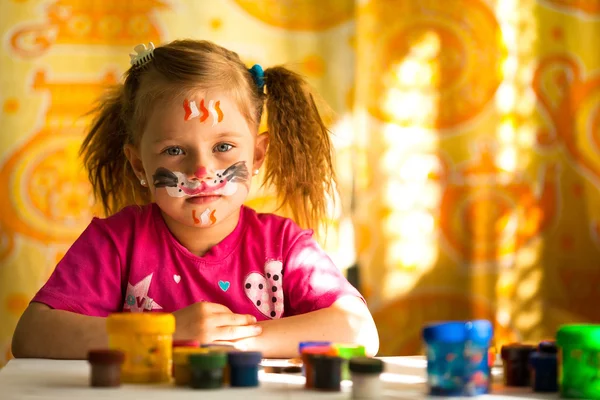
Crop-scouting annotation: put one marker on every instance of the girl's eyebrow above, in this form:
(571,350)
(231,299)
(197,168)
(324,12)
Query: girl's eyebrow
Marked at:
(169,139)
(217,136)
(229,134)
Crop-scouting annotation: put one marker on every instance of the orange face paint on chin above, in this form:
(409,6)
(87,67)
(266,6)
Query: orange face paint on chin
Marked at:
(207,218)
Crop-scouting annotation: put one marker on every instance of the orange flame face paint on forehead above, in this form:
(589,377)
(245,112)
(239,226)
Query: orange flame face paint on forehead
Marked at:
(192,110)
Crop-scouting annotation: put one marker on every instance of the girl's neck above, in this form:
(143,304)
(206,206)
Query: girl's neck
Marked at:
(200,240)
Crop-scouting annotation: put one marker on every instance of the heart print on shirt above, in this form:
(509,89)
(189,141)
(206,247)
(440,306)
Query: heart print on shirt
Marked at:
(266,292)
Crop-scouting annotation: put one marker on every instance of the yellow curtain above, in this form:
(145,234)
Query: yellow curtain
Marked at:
(467,135)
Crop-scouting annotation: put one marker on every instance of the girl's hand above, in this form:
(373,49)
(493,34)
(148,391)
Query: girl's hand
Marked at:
(209,322)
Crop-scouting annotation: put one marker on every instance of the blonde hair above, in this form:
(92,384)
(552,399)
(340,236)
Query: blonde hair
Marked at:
(299,157)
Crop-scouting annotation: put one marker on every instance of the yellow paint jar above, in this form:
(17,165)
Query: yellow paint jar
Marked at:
(146,339)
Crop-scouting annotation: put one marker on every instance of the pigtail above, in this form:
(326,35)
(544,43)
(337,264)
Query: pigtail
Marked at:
(299,158)
(103,155)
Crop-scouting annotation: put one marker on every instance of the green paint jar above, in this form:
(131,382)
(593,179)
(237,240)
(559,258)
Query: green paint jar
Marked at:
(579,361)
(206,370)
(346,352)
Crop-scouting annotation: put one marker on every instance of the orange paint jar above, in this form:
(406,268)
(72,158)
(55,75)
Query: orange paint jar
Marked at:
(307,354)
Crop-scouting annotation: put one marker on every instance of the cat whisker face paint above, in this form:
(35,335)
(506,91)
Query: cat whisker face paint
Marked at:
(224,182)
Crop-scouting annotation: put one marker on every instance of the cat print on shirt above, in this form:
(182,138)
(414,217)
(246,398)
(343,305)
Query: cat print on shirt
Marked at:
(266,292)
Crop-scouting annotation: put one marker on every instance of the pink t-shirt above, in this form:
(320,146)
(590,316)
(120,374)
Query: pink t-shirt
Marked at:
(267,267)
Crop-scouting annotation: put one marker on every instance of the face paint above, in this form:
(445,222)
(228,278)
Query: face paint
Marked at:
(191,110)
(207,218)
(214,109)
(204,111)
(225,182)
(200,172)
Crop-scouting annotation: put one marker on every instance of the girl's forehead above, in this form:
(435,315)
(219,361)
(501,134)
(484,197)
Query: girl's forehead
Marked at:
(200,110)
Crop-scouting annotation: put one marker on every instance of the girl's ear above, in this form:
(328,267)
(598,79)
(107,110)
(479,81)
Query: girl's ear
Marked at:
(133,156)
(260,150)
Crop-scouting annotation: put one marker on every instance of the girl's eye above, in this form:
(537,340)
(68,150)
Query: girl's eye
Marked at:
(174,151)
(222,147)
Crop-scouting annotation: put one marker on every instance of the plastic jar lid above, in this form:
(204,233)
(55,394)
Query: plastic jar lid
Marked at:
(547,347)
(208,360)
(348,351)
(516,351)
(304,345)
(181,355)
(366,365)
(458,331)
(327,350)
(246,358)
(106,357)
(218,347)
(151,323)
(186,343)
(586,335)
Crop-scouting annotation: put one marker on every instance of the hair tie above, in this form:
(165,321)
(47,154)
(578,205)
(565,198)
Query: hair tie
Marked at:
(258,75)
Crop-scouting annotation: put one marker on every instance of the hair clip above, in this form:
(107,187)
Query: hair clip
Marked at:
(144,55)
(258,75)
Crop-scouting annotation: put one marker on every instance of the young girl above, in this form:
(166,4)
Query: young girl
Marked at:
(180,137)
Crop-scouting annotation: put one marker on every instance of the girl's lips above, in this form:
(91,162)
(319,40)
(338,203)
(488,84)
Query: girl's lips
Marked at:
(205,199)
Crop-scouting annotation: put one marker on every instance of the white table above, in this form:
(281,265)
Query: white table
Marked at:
(54,379)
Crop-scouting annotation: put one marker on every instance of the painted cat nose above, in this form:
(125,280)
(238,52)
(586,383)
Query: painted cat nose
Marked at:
(201,172)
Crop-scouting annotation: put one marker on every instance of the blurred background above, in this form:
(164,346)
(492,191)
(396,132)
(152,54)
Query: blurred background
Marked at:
(467,135)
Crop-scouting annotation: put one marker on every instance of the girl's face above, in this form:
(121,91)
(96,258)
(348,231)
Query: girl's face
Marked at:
(198,156)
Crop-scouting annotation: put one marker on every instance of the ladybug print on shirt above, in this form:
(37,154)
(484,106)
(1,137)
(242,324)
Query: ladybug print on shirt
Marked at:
(266,292)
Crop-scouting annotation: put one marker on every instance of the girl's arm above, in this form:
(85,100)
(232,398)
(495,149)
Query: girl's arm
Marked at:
(43,332)
(348,320)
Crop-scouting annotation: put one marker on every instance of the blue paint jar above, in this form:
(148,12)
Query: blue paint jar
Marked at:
(244,368)
(457,357)
(544,368)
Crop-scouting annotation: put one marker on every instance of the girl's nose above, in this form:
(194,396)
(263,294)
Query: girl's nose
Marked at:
(201,172)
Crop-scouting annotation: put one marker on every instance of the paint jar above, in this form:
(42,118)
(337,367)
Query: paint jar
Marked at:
(182,344)
(215,346)
(207,370)
(366,382)
(579,365)
(222,348)
(307,344)
(544,366)
(181,364)
(307,355)
(457,357)
(243,367)
(105,367)
(515,363)
(304,345)
(186,343)
(327,371)
(346,352)
(147,340)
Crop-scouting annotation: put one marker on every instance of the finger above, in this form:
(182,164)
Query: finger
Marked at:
(231,319)
(236,332)
(214,308)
